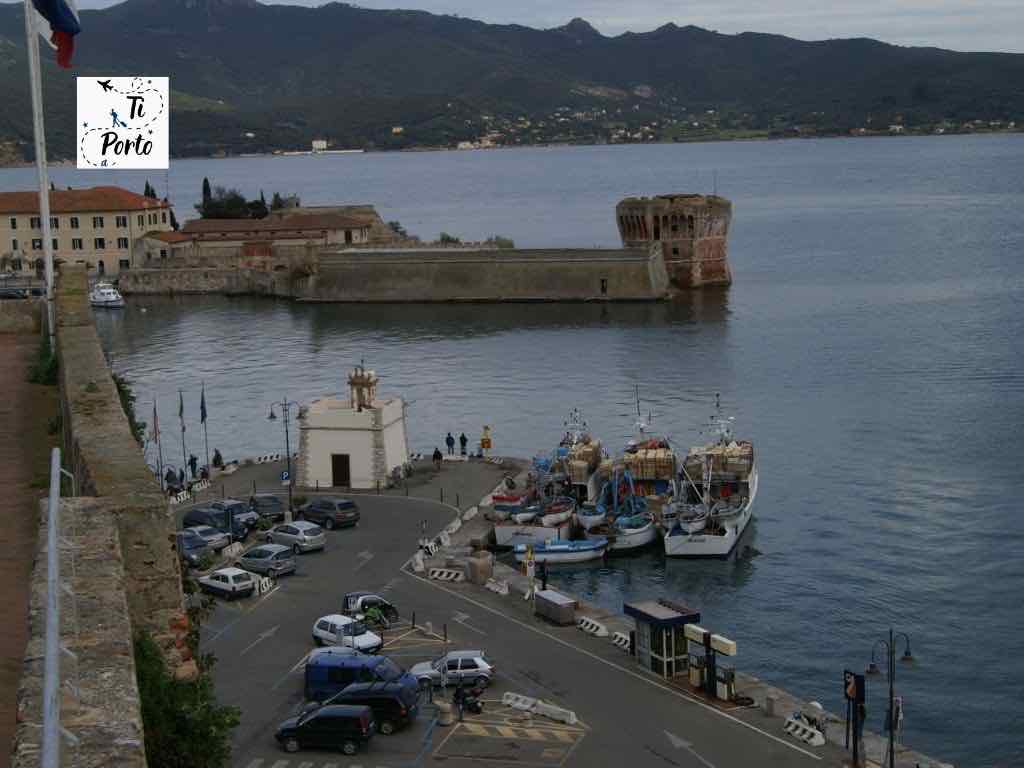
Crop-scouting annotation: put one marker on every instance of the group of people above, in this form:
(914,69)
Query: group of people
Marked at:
(175,481)
(449,441)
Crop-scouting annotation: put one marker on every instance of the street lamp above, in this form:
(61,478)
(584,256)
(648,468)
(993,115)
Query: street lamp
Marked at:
(890,650)
(286,406)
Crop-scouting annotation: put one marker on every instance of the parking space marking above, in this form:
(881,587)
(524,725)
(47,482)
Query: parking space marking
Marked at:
(608,663)
(364,557)
(301,662)
(306,764)
(241,614)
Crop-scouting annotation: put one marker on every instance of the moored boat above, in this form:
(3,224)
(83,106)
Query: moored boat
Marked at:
(627,533)
(554,552)
(106,295)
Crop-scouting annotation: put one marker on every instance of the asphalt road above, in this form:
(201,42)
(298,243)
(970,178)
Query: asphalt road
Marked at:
(627,717)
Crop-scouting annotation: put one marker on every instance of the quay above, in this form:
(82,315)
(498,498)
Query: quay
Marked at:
(626,714)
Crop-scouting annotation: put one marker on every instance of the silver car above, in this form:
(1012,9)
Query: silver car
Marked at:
(301,536)
(268,559)
(214,539)
(468,667)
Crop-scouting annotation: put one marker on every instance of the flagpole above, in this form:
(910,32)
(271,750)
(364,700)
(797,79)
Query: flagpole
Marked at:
(36,87)
(159,448)
(181,419)
(206,437)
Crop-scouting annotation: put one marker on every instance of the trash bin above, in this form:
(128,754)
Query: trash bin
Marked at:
(444,713)
(725,679)
(696,668)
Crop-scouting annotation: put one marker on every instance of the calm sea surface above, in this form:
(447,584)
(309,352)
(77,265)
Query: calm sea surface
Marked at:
(872,347)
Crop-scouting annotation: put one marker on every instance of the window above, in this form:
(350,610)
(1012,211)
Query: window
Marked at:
(14,244)
(97,222)
(76,244)
(121,221)
(675,251)
(340,675)
(604,286)
(469,664)
(34,222)
(54,222)
(37,243)
(124,264)
(453,665)
(163,217)
(55,246)
(348,236)
(74,222)
(141,219)
(122,242)
(99,243)
(14,222)
(152,218)
(163,253)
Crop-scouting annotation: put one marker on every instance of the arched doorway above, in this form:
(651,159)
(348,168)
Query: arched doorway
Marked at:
(101,268)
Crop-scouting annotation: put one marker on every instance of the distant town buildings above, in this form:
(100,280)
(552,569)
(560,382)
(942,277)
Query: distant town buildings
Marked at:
(319,145)
(99,227)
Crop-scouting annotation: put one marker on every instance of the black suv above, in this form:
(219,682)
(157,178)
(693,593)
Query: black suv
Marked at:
(267,506)
(394,705)
(330,511)
(334,726)
(216,518)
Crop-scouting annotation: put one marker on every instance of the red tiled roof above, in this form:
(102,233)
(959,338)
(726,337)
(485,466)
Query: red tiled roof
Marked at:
(97,199)
(169,236)
(300,223)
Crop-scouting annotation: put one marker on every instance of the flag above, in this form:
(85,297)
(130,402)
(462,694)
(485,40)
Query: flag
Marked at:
(62,17)
(202,406)
(156,425)
(181,410)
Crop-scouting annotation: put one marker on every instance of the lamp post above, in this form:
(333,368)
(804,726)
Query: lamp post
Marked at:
(286,406)
(890,649)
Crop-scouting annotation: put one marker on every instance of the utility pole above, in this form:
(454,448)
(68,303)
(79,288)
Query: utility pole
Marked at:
(286,406)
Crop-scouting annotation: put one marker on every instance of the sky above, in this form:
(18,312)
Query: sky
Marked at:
(962,25)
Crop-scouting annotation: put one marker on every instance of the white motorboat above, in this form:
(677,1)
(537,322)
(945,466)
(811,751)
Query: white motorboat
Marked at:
(508,533)
(106,295)
(708,521)
(627,533)
(553,552)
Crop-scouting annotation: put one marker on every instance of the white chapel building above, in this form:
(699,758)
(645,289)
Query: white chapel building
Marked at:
(355,442)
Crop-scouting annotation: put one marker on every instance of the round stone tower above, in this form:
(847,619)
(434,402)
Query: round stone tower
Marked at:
(692,232)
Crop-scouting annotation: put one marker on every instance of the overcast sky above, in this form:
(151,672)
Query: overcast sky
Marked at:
(963,25)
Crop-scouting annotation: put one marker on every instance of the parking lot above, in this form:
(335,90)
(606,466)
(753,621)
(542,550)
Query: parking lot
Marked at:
(625,716)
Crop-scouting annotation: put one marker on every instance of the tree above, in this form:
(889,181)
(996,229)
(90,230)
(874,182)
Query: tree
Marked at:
(149,191)
(276,202)
(224,204)
(446,239)
(398,229)
(174,221)
(206,191)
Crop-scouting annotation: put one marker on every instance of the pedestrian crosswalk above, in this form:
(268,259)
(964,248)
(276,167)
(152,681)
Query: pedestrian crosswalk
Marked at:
(492,731)
(261,762)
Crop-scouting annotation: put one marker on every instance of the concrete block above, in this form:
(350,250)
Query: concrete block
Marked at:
(554,712)
(518,701)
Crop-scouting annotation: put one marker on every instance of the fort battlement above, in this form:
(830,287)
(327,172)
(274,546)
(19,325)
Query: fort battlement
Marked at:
(692,232)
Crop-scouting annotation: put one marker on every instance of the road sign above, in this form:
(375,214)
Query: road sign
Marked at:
(284,476)
(853,686)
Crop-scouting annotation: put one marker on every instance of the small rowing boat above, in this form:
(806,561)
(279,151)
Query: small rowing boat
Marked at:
(554,552)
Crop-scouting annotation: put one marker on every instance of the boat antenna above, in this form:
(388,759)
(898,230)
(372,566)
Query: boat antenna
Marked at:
(636,392)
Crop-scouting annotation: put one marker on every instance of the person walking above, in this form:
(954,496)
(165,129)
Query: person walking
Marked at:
(437,458)
(181,477)
(450,442)
(218,460)
(193,462)
(463,442)
(459,697)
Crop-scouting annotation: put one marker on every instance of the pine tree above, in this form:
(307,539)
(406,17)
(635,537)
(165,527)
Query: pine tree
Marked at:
(174,221)
(207,195)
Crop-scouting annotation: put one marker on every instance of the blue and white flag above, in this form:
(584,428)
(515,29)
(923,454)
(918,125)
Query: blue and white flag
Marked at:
(57,21)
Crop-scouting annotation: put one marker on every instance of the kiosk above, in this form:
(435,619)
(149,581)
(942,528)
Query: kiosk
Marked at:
(660,642)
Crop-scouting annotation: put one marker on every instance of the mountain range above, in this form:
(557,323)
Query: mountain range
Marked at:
(249,77)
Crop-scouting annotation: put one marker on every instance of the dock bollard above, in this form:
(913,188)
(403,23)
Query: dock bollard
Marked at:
(414,619)
(769,705)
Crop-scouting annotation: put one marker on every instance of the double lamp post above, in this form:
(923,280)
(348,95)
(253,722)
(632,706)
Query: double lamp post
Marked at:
(892,716)
(286,406)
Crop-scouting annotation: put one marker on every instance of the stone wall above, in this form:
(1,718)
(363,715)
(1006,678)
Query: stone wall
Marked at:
(20,315)
(229,282)
(445,274)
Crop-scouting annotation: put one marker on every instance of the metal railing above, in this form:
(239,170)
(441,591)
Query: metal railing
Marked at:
(51,673)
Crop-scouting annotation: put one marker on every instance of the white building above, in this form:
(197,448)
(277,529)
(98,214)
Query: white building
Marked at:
(319,145)
(352,443)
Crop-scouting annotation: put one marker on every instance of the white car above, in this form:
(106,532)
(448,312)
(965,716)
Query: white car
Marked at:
(336,629)
(301,536)
(228,582)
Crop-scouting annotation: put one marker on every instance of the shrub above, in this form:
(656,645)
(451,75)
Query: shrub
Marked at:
(44,370)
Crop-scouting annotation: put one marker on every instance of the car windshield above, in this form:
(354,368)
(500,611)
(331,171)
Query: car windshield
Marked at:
(354,629)
(388,671)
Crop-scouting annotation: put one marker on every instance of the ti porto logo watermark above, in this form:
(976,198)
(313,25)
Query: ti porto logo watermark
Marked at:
(123,122)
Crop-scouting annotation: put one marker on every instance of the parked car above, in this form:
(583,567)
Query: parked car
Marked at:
(329,671)
(301,536)
(192,547)
(228,582)
(268,559)
(358,603)
(215,518)
(334,726)
(239,509)
(268,506)
(394,705)
(336,629)
(330,511)
(455,667)
(213,538)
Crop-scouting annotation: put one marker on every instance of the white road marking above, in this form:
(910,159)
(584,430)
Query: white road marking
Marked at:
(679,743)
(280,764)
(291,671)
(262,636)
(241,614)
(364,557)
(255,763)
(460,618)
(307,764)
(613,665)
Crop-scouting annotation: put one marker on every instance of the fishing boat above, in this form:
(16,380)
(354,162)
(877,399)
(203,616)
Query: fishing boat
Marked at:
(106,295)
(626,532)
(577,459)
(708,520)
(536,523)
(558,511)
(553,552)
(589,516)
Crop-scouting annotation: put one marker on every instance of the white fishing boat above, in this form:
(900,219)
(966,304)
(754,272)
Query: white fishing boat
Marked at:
(508,533)
(578,458)
(553,552)
(590,517)
(106,295)
(708,521)
(627,533)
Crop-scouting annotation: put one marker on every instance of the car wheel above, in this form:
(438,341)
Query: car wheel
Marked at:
(317,641)
(349,747)
(296,549)
(291,745)
(387,728)
(270,539)
(329,524)
(482,681)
